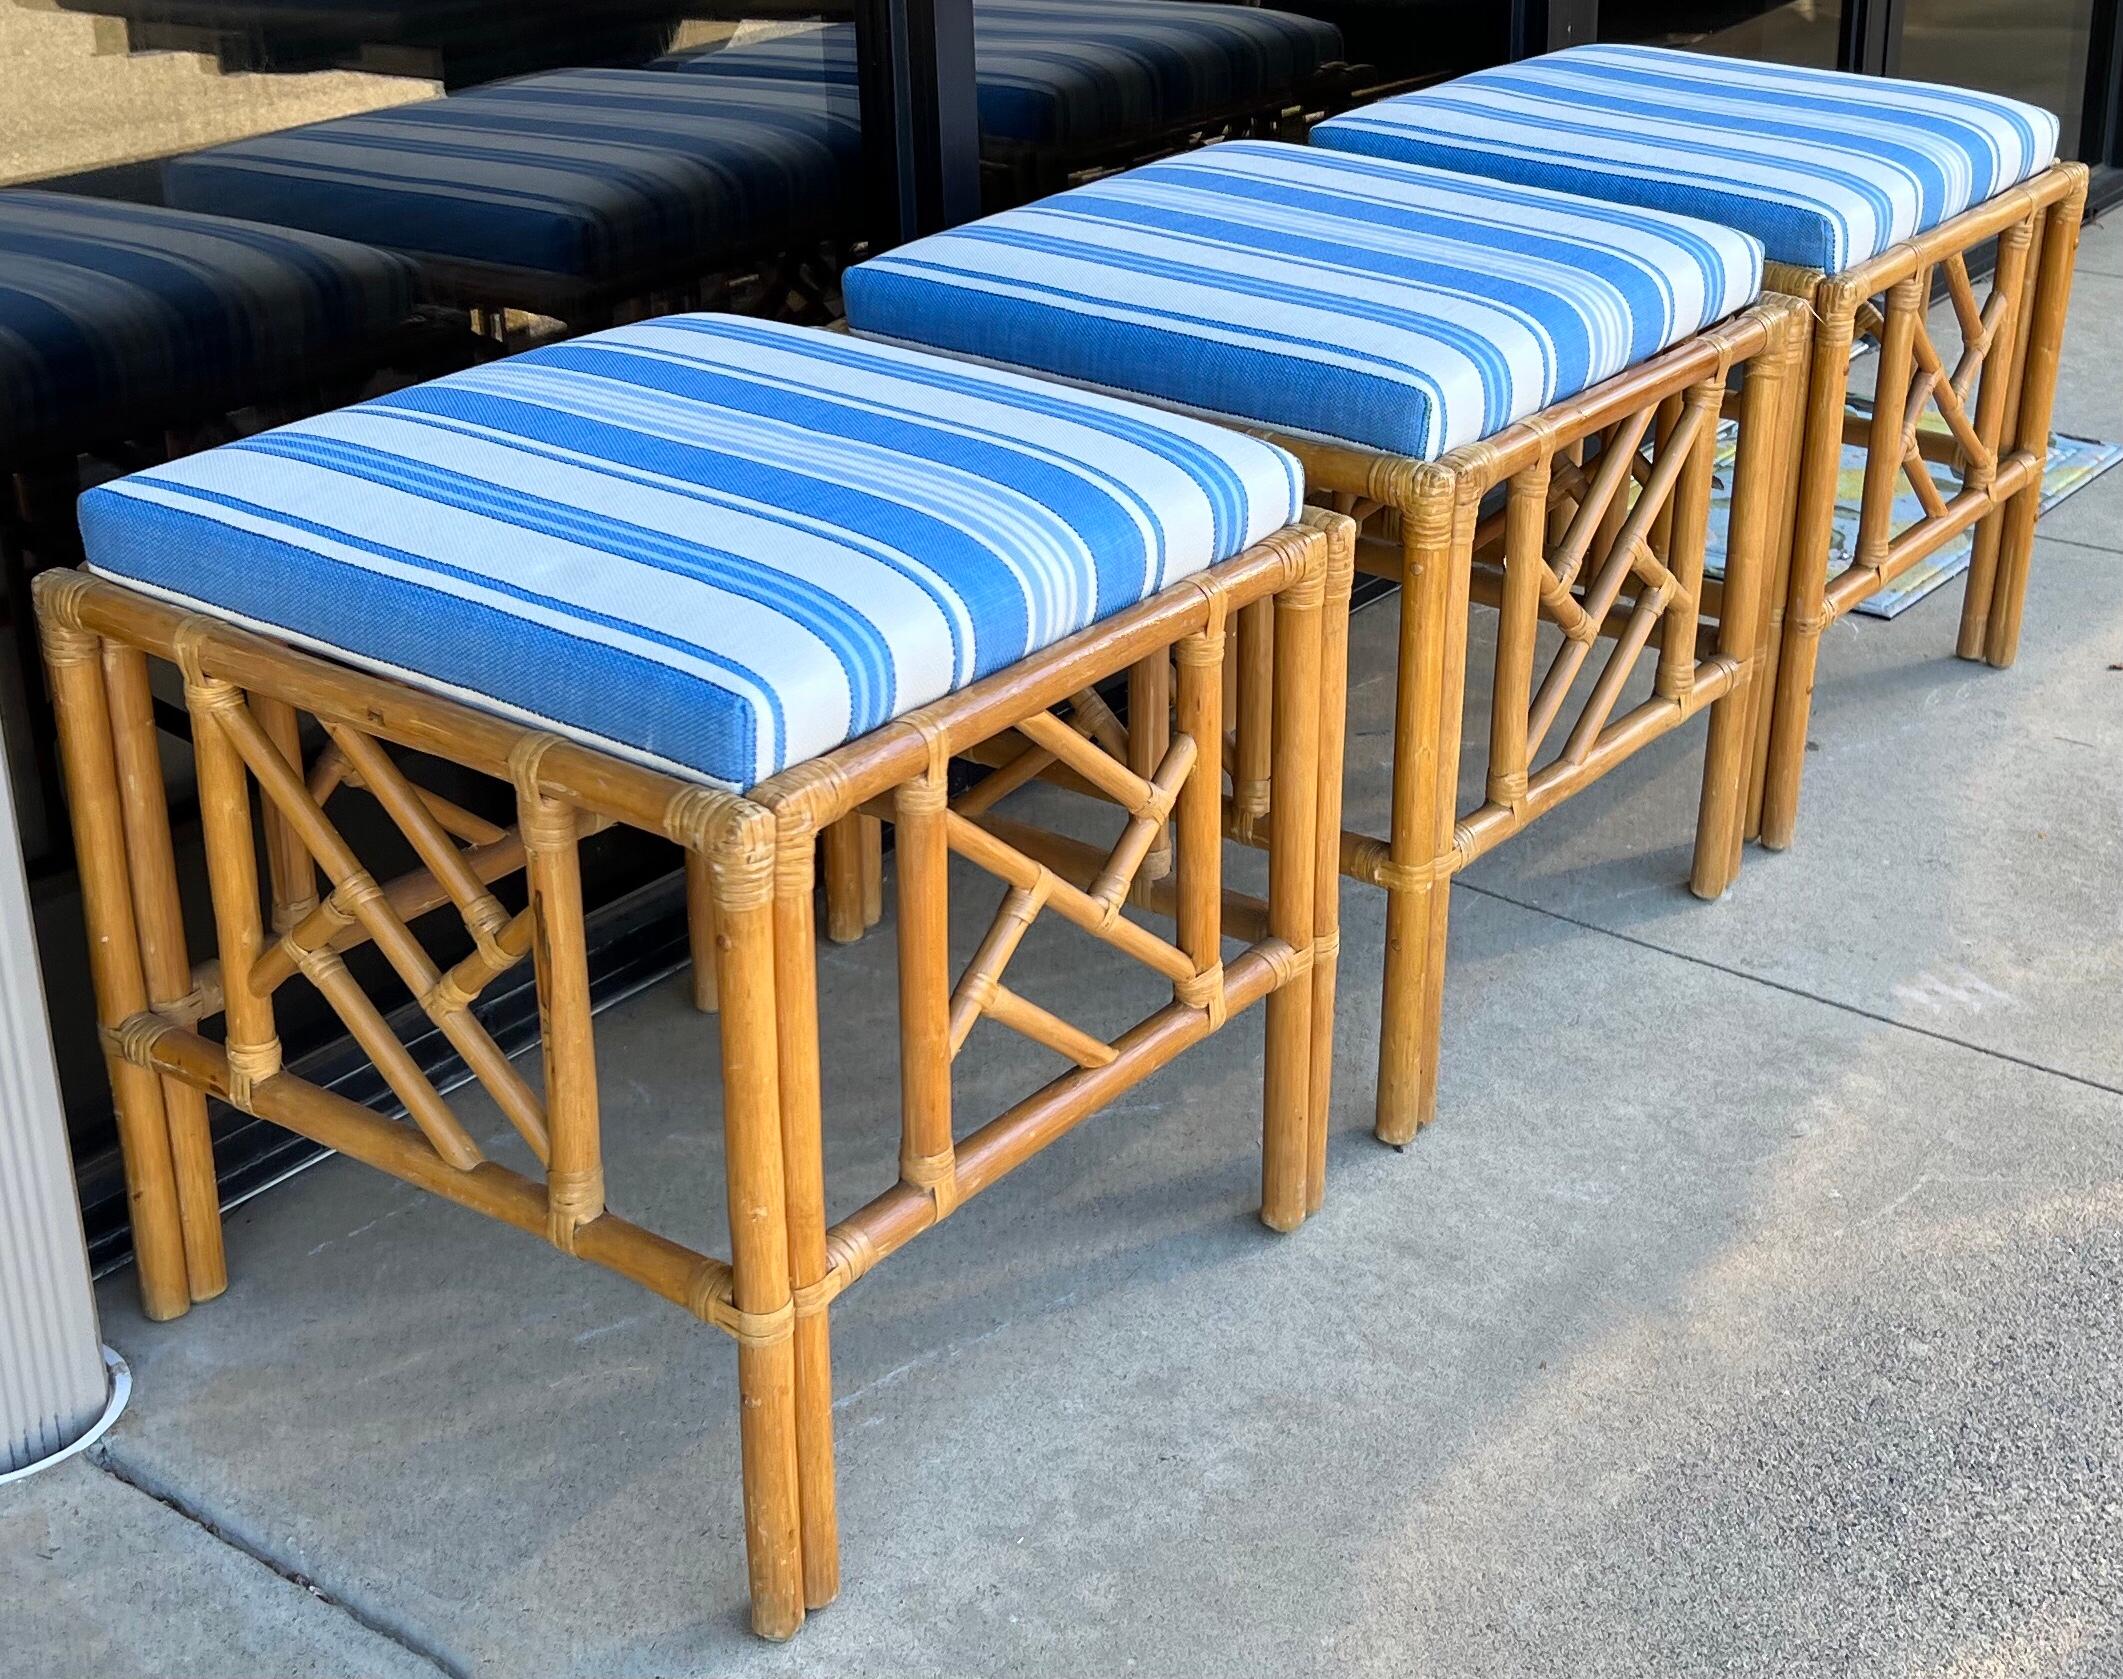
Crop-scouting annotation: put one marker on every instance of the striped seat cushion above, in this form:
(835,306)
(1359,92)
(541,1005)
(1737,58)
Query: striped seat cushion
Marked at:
(117,318)
(1314,293)
(711,544)
(1827,170)
(1077,72)
(600,176)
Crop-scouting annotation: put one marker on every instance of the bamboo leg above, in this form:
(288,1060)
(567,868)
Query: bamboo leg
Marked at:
(1999,362)
(1805,614)
(1255,696)
(759,1238)
(575,1163)
(2060,245)
(1769,632)
(1293,812)
(1750,562)
(845,919)
(1327,847)
(700,929)
(873,870)
(1149,733)
(152,861)
(78,701)
(1425,769)
(803,1171)
(925,1149)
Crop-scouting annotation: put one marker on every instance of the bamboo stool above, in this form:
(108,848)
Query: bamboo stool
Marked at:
(248,694)
(1577,517)
(1869,194)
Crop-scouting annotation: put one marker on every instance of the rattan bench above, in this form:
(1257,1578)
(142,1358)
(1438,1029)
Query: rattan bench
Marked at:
(1865,192)
(1421,340)
(615,573)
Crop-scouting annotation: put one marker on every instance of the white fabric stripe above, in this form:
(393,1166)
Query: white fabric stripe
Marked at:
(420,679)
(788,661)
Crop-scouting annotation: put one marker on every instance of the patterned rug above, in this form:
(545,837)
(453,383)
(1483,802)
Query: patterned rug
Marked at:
(2074,462)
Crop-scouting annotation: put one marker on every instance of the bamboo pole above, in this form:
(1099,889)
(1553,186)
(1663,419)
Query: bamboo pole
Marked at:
(151,860)
(114,950)
(759,1235)
(804,1184)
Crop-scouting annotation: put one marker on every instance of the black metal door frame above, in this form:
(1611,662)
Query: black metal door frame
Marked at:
(920,116)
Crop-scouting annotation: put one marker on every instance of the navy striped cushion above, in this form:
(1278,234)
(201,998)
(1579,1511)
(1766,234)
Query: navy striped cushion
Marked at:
(1313,292)
(1827,170)
(115,317)
(711,544)
(1077,72)
(597,175)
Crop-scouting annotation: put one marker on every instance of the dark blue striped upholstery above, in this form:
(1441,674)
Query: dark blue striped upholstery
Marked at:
(1078,72)
(600,176)
(120,317)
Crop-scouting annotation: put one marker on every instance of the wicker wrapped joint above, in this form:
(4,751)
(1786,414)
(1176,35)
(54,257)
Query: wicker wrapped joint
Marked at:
(1516,393)
(728,583)
(1869,195)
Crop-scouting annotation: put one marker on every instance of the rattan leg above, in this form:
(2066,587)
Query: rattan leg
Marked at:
(1425,766)
(759,1238)
(846,920)
(700,929)
(2052,305)
(1751,567)
(1805,609)
(1293,813)
(2004,362)
(78,700)
(151,860)
(1340,579)
(803,1170)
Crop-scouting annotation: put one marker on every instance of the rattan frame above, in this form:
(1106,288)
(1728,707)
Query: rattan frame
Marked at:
(752,858)
(1581,544)
(2011,351)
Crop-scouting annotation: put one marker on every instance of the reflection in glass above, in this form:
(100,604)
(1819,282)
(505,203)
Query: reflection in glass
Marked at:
(1791,32)
(2033,50)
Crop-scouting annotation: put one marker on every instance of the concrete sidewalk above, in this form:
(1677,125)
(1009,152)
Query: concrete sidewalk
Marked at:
(1755,1307)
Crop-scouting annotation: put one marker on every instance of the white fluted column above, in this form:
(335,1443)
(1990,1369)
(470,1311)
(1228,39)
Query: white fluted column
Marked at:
(53,1384)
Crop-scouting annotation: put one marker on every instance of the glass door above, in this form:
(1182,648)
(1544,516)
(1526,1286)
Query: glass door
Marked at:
(2034,50)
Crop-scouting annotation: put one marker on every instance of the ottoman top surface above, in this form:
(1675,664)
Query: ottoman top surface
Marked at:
(1315,293)
(1826,169)
(714,545)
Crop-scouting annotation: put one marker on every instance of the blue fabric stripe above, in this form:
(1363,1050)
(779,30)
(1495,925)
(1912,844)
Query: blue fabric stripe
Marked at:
(1314,292)
(828,532)
(1840,166)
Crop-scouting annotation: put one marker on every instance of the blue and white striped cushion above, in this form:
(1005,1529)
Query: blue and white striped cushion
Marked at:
(596,175)
(1826,169)
(1077,72)
(116,318)
(1314,293)
(711,544)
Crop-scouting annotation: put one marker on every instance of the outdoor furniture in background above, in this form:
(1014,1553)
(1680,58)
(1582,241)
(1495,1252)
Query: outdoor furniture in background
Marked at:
(460,43)
(608,573)
(1070,85)
(1866,192)
(584,195)
(1420,340)
(128,332)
